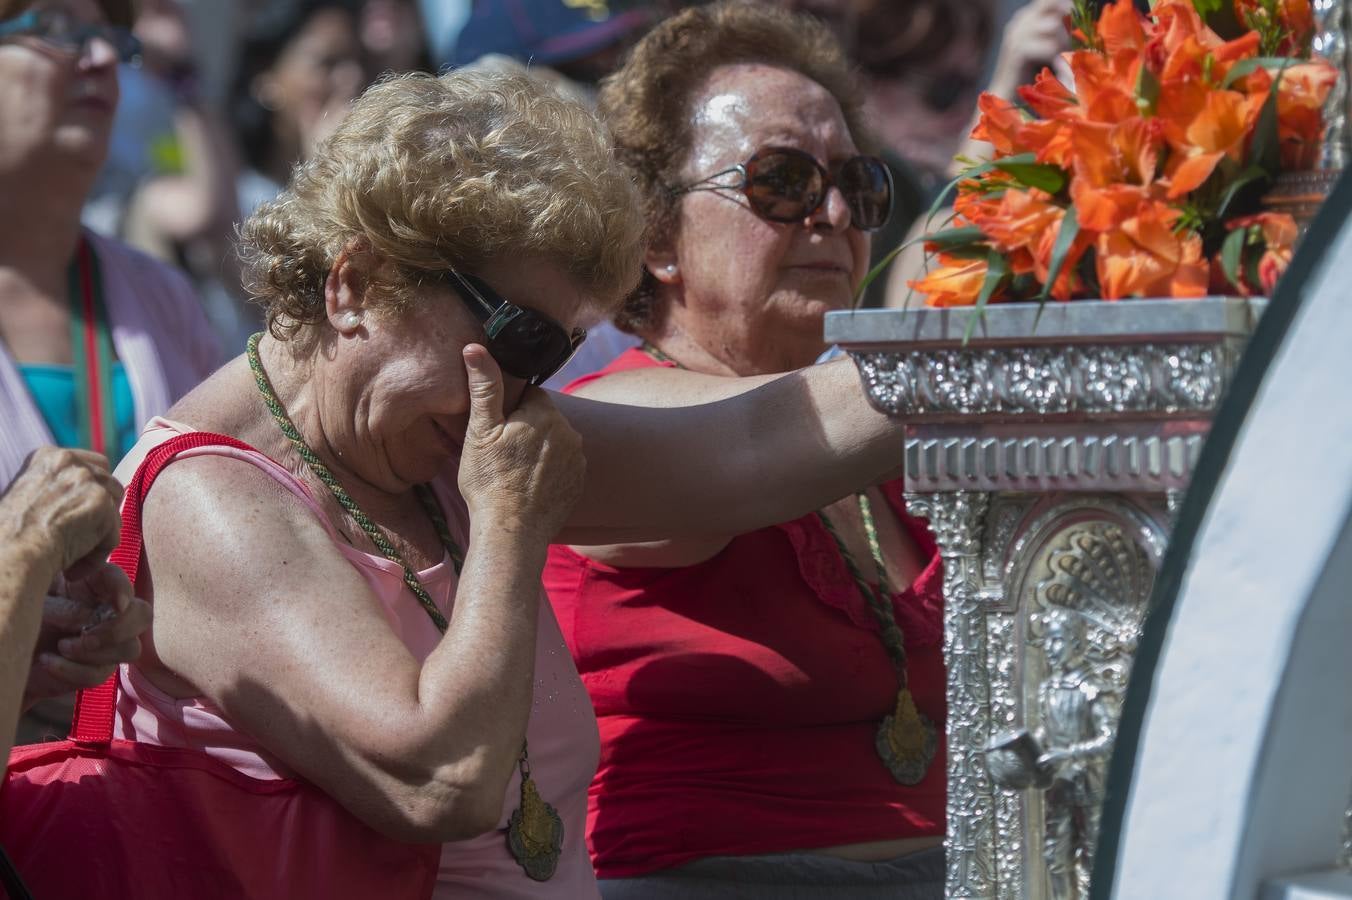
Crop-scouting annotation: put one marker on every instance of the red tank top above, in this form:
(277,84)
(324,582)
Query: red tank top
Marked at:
(738,698)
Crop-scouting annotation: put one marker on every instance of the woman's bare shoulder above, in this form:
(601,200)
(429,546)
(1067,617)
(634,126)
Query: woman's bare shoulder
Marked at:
(227,402)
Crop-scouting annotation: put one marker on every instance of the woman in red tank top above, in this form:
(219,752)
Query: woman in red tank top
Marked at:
(771,705)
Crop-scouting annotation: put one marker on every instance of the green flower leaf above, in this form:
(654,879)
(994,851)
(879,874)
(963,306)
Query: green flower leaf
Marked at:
(974,172)
(1065,239)
(997,270)
(1232,254)
(1245,178)
(1147,90)
(1249,66)
(1265,151)
(953,238)
(1043,176)
(950,240)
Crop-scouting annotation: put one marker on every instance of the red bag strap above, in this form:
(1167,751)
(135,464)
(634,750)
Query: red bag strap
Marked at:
(94,707)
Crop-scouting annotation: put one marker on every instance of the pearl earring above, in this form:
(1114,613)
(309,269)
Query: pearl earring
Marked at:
(349,320)
(671,268)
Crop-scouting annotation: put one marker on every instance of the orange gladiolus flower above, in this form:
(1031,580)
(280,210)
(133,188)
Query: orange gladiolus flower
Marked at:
(1146,257)
(1019,219)
(1121,28)
(1051,139)
(1152,117)
(1105,86)
(1068,281)
(957,282)
(1294,17)
(1024,224)
(1127,152)
(1048,98)
(1001,125)
(1115,168)
(1105,208)
(1279,232)
(1204,126)
(1183,47)
(1301,92)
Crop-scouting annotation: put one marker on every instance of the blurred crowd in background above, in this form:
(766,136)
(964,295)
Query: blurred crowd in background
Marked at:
(226,97)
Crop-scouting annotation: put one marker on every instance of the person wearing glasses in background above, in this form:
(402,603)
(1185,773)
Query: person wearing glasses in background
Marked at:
(95,338)
(771,704)
(351,595)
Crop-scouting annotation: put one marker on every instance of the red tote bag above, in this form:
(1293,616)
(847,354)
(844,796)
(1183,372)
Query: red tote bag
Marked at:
(97,817)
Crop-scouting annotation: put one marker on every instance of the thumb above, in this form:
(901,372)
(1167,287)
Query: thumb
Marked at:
(485,389)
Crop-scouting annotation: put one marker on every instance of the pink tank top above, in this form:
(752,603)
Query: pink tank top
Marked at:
(564,745)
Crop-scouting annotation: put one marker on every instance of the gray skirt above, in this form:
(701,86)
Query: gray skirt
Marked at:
(789,876)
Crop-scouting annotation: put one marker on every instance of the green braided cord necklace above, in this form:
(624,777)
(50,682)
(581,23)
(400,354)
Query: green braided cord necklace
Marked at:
(535,831)
(373,531)
(907,739)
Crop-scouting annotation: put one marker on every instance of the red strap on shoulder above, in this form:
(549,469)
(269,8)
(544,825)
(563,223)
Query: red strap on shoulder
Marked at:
(94,707)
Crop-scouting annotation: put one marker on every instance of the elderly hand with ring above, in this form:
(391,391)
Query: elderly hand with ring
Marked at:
(58,521)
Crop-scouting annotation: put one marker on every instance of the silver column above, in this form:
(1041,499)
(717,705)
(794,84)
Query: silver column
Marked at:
(1048,454)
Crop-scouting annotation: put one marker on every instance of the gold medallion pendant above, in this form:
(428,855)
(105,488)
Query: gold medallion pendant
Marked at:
(907,741)
(535,833)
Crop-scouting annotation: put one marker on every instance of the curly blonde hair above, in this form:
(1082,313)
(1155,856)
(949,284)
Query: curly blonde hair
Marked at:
(430,173)
(646,104)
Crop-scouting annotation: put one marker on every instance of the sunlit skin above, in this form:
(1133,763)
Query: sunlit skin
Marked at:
(259,611)
(404,376)
(385,404)
(738,277)
(746,296)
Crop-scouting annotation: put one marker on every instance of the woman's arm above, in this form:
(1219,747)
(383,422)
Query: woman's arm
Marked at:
(59,514)
(25,572)
(756,451)
(662,388)
(257,609)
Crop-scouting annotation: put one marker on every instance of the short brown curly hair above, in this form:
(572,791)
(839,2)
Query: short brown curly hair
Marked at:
(646,104)
(430,173)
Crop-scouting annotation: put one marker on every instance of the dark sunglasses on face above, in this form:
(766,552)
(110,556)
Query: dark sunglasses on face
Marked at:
(61,31)
(527,344)
(784,184)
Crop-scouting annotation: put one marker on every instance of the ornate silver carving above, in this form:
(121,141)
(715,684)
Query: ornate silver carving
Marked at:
(957,520)
(1004,656)
(1095,581)
(1047,458)
(1330,43)
(1167,378)
(1090,582)
(1008,558)
(1064,754)
(1102,573)
(1095,555)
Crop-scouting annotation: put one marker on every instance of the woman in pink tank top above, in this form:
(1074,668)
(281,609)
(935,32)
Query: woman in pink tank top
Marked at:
(353,598)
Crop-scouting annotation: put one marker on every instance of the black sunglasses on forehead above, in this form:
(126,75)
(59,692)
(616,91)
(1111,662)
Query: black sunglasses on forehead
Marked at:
(527,344)
(785,184)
